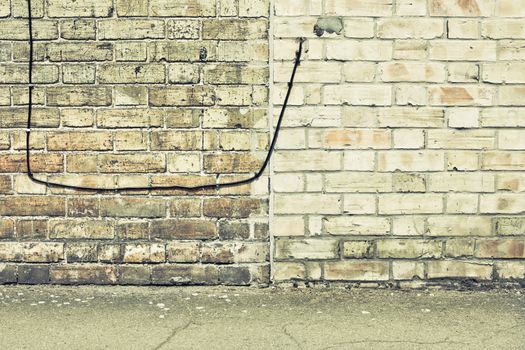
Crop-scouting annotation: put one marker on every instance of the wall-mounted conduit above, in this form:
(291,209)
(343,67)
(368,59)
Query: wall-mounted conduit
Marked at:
(148,188)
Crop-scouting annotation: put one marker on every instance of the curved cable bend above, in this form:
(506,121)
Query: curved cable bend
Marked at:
(148,188)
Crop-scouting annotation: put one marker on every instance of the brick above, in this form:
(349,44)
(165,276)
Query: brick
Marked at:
(408,139)
(357,270)
(16,163)
(461,182)
(511,95)
(132,163)
(78,29)
(459,226)
(503,29)
(183,252)
(411,7)
(503,161)
(130,51)
(352,139)
(504,72)
(358,182)
(500,203)
(468,8)
(358,95)
(182,8)
(132,207)
(32,206)
(129,118)
(359,204)
(234,29)
(185,274)
(404,182)
(231,207)
(358,249)
(462,50)
(92,229)
(410,49)
(369,226)
(130,29)
(83,274)
(182,96)
(369,8)
(511,182)
(217,253)
(306,249)
(510,269)
(459,269)
(83,207)
(78,97)
(311,203)
(510,226)
(79,141)
(307,160)
(78,74)
(407,270)
(131,73)
(231,163)
(463,118)
(410,204)
(501,248)
(6,228)
(176,140)
(183,51)
(33,274)
(127,8)
(82,8)
(509,8)
(18,29)
(227,74)
(408,248)
(461,96)
(460,72)
(370,50)
(184,229)
(459,248)
(412,72)
(76,52)
(511,140)
(411,161)
(8,273)
(81,252)
(403,28)
(134,275)
(144,253)
(17,74)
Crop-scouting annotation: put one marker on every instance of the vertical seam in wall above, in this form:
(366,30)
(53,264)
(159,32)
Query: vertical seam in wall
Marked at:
(270,121)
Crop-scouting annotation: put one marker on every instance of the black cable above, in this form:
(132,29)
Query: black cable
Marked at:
(183,188)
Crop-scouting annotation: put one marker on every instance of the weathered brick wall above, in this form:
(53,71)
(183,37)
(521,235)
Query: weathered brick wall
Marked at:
(403,155)
(401,159)
(135,93)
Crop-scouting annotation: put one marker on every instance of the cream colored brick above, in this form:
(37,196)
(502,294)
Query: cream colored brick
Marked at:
(412,72)
(462,203)
(410,204)
(359,71)
(463,117)
(358,249)
(408,225)
(459,269)
(289,27)
(356,270)
(359,27)
(346,182)
(131,141)
(502,117)
(509,8)
(350,139)
(461,182)
(288,182)
(355,204)
(410,49)
(511,139)
(514,182)
(288,226)
(356,225)
(457,248)
(306,249)
(254,8)
(511,95)
(358,95)
(79,8)
(404,182)
(284,271)
(307,160)
(371,8)
(410,95)
(462,29)
(399,117)
(24,185)
(310,204)
(462,50)
(311,72)
(369,50)
(411,161)
(407,270)
(359,116)
(503,29)
(462,160)
(408,139)
(459,226)
(460,72)
(291,8)
(509,73)
(359,160)
(409,28)
(463,95)
(500,203)
(503,161)
(461,139)
(131,95)
(314,182)
(181,163)
(411,7)
(408,248)
(5,9)
(469,8)
(511,50)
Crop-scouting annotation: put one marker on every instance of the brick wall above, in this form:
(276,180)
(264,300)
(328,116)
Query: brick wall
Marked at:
(135,93)
(403,155)
(401,158)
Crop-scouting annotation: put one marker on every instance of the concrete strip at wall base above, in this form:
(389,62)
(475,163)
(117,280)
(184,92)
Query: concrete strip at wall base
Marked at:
(400,162)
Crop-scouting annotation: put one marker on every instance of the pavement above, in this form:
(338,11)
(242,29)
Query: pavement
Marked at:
(154,318)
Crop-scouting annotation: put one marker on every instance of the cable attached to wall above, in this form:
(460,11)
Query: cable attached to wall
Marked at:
(215,186)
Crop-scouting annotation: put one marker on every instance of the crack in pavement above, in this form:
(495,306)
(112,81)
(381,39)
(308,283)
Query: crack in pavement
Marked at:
(173,333)
(289,335)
